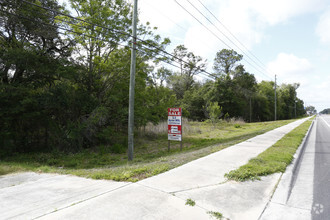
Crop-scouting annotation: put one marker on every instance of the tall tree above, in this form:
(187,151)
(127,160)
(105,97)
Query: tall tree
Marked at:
(30,41)
(191,65)
(225,61)
(34,57)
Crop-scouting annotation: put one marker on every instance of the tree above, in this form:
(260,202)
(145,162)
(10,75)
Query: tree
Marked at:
(225,61)
(33,59)
(31,44)
(310,110)
(214,111)
(225,94)
(191,65)
(264,106)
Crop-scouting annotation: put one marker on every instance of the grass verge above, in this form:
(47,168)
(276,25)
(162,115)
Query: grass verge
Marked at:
(150,154)
(275,159)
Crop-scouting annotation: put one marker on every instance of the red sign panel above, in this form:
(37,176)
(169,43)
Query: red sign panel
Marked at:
(174,124)
(174,112)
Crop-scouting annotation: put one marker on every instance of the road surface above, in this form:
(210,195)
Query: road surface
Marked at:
(306,193)
(321,189)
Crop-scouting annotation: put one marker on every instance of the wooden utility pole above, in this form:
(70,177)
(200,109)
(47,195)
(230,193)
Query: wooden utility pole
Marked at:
(132,86)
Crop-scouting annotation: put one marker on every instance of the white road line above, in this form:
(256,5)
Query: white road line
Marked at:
(325,121)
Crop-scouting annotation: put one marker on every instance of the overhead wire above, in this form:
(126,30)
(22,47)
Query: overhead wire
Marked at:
(187,11)
(113,30)
(147,43)
(227,29)
(199,11)
(178,25)
(96,38)
(210,75)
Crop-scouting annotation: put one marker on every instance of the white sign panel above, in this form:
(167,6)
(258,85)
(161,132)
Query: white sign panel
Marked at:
(174,137)
(174,120)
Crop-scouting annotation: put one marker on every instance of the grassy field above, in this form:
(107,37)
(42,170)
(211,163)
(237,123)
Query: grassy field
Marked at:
(151,156)
(275,159)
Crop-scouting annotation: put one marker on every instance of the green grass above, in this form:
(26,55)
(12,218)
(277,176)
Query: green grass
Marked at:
(275,159)
(150,154)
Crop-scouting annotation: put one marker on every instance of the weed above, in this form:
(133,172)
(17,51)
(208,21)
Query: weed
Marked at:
(216,215)
(237,125)
(274,159)
(190,202)
(151,155)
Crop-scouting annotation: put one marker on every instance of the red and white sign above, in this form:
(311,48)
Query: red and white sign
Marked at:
(174,124)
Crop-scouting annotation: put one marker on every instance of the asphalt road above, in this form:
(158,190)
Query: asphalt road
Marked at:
(321,189)
(304,190)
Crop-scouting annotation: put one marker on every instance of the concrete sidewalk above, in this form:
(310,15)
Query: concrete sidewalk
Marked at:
(48,196)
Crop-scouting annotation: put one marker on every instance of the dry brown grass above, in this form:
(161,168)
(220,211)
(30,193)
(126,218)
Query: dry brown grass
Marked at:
(161,128)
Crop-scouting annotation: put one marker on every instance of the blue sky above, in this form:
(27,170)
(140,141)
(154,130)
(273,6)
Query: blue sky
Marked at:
(290,37)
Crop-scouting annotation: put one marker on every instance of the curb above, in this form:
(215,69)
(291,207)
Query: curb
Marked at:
(286,181)
(297,160)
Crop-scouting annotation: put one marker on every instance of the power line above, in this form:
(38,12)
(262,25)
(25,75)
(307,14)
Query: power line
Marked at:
(202,23)
(127,46)
(215,35)
(112,30)
(227,29)
(225,36)
(96,38)
(124,33)
(182,28)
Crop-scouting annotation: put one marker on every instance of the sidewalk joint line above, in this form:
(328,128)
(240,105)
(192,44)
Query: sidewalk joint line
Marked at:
(93,197)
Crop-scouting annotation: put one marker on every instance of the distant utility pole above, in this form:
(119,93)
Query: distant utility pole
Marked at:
(132,86)
(250,111)
(275,98)
(295,108)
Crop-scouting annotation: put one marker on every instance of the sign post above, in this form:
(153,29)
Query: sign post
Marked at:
(174,126)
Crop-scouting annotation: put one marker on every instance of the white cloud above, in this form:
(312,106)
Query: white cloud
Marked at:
(166,15)
(277,11)
(323,27)
(291,68)
(246,19)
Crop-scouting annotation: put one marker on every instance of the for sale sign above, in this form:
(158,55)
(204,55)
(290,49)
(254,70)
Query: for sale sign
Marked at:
(174,124)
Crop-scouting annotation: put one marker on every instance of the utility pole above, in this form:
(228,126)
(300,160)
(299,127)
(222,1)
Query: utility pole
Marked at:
(132,86)
(250,110)
(275,98)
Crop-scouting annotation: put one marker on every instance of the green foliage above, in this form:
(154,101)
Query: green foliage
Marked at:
(237,125)
(274,159)
(69,92)
(214,111)
(190,202)
(227,117)
(151,155)
(325,111)
(225,60)
(216,215)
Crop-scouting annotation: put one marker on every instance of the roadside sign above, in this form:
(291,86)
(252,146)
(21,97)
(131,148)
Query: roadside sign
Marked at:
(174,124)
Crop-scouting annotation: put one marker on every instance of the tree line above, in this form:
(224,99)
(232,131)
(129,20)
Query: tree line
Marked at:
(65,79)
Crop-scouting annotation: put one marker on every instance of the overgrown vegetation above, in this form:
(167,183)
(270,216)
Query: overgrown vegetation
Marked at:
(64,81)
(151,155)
(274,159)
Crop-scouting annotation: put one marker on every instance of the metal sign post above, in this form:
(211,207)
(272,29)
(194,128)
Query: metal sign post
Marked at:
(174,126)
